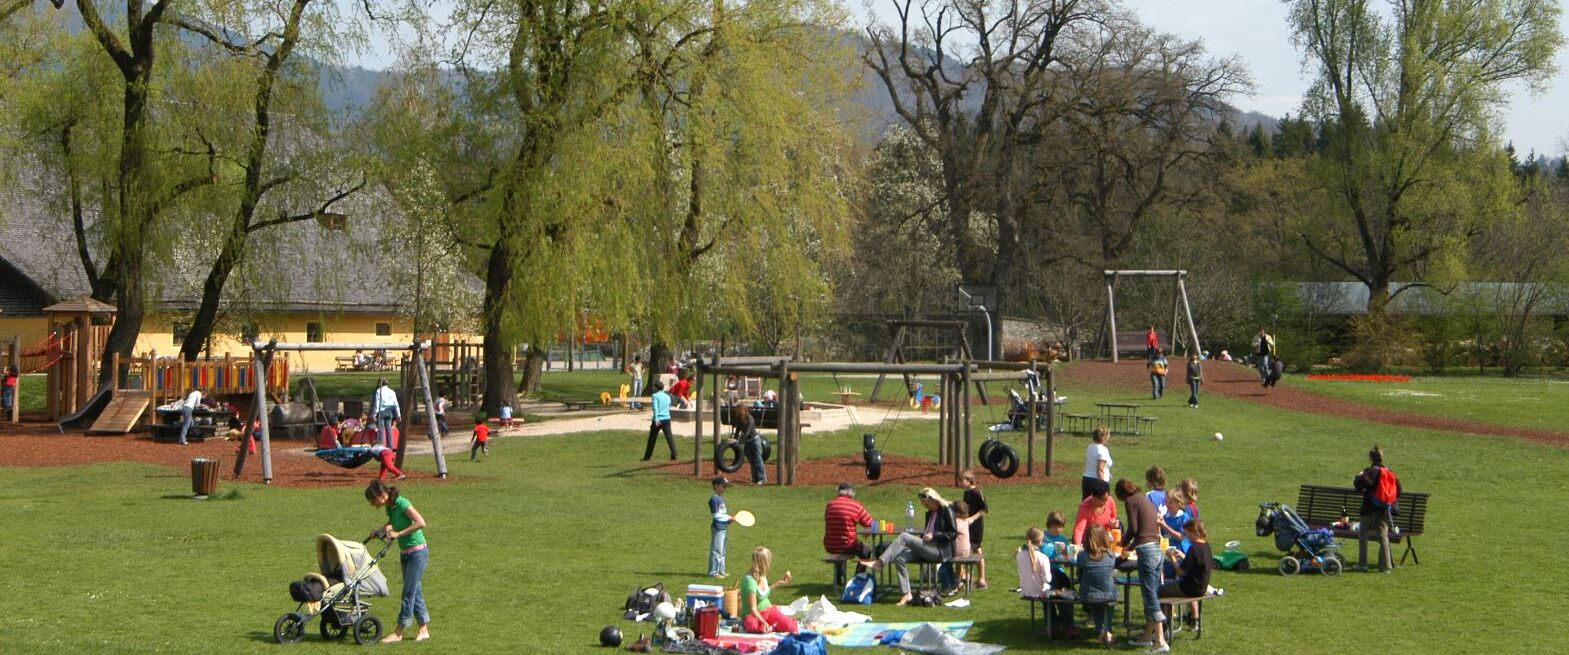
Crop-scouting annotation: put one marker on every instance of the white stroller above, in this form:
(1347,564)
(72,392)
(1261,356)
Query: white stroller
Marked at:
(336,594)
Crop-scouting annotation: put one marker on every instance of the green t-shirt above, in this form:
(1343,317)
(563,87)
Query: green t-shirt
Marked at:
(749,586)
(398,516)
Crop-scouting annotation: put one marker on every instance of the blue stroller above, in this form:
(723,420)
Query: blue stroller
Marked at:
(1307,549)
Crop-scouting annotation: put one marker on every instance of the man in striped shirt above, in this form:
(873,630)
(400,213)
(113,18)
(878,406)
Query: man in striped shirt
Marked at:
(840,518)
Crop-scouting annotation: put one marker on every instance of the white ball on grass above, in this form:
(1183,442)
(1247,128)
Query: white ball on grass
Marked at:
(1220,437)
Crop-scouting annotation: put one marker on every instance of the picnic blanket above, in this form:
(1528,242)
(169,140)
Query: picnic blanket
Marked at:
(867,635)
(744,642)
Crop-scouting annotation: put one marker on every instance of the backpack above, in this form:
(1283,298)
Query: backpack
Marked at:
(643,600)
(861,590)
(1386,497)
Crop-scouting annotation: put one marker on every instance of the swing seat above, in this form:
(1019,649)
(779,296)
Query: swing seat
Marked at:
(349,458)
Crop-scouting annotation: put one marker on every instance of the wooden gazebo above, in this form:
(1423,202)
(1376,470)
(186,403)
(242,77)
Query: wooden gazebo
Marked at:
(72,378)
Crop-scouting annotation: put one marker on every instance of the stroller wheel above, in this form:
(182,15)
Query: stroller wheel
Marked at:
(331,629)
(367,630)
(290,628)
(1243,566)
(1290,566)
(1332,566)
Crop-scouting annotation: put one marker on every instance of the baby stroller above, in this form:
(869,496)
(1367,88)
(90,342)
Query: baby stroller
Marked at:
(1306,549)
(348,574)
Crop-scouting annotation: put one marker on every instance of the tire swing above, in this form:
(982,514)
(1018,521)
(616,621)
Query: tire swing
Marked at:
(999,457)
(728,456)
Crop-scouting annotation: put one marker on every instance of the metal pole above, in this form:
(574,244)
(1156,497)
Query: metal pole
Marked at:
(1111,314)
(430,410)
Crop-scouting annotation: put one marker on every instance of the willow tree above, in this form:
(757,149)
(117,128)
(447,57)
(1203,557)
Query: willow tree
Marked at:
(1408,99)
(743,108)
(254,45)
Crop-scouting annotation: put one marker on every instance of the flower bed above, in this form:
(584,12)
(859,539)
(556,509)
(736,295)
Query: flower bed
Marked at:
(1358,377)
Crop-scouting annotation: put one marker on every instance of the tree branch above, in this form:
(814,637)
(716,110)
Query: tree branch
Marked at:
(284,218)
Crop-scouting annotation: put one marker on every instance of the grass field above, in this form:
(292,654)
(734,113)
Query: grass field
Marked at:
(536,548)
(1523,402)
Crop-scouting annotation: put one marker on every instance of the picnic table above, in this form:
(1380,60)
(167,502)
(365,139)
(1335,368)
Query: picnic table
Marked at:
(1120,417)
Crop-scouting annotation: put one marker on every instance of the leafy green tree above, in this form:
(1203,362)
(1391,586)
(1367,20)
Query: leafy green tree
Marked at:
(1408,101)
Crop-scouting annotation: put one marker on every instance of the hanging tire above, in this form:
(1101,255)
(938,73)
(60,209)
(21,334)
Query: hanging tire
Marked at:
(768,448)
(874,464)
(1290,566)
(331,630)
(869,441)
(367,630)
(986,451)
(290,628)
(1004,461)
(732,449)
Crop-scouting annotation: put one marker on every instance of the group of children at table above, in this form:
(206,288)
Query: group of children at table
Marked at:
(1097,542)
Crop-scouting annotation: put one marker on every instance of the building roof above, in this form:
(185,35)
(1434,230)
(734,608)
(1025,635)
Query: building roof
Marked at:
(1350,298)
(307,266)
(80,305)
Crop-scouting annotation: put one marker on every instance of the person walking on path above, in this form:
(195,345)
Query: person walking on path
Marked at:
(385,408)
(1158,366)
(191,402)
(441,413)
(1097,462)
(1195,378)
(1143,536)
(660,403)
(752,441)
(1264,350)
(1380,489)
(405,524)
(1151,343)
(635,369)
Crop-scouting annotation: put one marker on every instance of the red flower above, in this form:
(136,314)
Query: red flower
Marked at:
(1358,377)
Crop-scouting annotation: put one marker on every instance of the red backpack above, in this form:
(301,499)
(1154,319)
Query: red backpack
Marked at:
(1386,496)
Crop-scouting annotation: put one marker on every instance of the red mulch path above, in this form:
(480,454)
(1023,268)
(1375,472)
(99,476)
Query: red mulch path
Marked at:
(1239,381)
(898,470)
(42,445)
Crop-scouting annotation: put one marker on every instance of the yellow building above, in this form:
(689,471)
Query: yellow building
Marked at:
(331,278)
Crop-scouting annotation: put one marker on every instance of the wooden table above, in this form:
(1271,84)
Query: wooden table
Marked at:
(846,395)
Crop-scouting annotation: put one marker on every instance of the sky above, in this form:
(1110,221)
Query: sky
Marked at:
(1256,30)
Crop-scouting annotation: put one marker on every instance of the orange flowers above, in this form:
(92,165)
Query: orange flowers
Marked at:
(1358,377)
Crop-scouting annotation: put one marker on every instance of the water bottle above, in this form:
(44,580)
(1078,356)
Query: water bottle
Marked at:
(909,515)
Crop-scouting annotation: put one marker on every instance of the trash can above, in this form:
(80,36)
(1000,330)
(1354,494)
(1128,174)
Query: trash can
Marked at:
(204,477)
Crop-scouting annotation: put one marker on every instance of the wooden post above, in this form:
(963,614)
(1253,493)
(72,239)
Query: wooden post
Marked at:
(717,423)
(1176,306)
(1051,414)
(964,413)
(782,369)
(893,354)
(430,412)
(264,363)
(1029,443)
(1111,314)
(1193,331)
(697,418)
(14,360)
(942,424)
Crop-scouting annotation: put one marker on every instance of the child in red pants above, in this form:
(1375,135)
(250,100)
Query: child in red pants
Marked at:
(389,463)
(758,614)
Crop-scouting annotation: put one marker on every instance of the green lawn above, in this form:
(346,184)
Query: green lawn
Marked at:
(1524,402)
(536,548)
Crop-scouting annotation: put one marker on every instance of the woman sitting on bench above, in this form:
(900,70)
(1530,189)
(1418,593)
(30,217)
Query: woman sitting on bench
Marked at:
(933,545)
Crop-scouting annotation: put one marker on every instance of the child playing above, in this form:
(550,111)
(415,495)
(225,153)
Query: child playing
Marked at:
(962,546)
(1190,490)
(1157,367)
(1037,580)
(480,442)
(719,528)
(506,415)
(1155,477)
(441,413)
(388,458)
(976,501)
(1056,545)
(1097,568)
(1195,378)
(8,391)
(1193,569)
(758,615)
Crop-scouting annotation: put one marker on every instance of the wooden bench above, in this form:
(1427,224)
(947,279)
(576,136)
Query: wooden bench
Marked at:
(1321,507)
(1172,606)
(1146,425)
(578,405)
(1076,423)
(1046,603)
(344,362)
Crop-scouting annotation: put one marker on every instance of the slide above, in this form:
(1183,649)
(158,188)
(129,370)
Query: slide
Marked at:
(84,416)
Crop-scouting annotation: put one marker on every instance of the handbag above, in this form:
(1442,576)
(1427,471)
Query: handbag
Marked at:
(861,590)
(803,643)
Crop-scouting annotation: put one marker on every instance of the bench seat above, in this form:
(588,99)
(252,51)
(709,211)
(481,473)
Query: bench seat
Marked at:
(1321,506)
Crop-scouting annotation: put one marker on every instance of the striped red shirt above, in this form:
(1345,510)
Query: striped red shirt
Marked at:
(839,521)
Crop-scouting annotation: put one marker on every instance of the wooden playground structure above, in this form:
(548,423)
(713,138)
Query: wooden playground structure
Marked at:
(955,444)
(1179,309)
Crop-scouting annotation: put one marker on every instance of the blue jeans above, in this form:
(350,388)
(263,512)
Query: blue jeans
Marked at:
(637,390)
(185,421)
(1193,392)
(1263,368)
(384,421)
(1100,613)
(1157,385)
(7,397)
(754,456)
(716,552)
(441,423)
(413,607)
(1150,560)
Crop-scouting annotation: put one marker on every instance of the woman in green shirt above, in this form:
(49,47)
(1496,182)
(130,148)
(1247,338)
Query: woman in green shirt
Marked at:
(405,524)
(758,615)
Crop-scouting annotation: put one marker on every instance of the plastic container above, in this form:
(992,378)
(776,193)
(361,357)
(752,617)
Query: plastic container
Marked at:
(909,515)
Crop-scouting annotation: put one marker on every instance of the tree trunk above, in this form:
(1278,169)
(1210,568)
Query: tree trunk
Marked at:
(498,348)
(659,358)
(533,370)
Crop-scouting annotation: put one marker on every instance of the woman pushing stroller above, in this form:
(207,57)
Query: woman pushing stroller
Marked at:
(405,524)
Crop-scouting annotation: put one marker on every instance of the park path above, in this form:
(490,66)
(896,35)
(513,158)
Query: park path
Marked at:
(1239,381)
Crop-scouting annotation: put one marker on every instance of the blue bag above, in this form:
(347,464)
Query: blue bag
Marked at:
(803,643)
(861,590)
